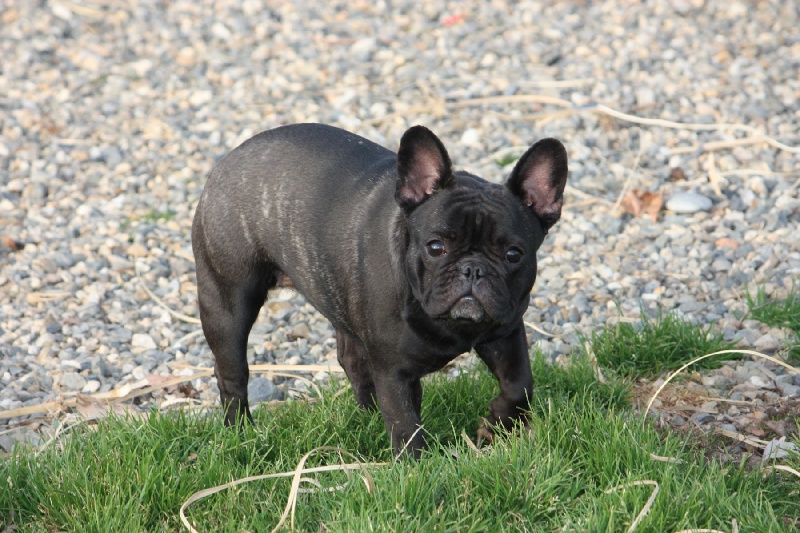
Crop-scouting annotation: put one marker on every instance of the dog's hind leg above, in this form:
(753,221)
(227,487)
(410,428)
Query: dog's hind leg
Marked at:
(230,299)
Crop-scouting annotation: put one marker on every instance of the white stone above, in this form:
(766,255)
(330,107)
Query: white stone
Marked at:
(688,202)
(201,97)
(143,340)
(91,386)
(760,382)
(471,137)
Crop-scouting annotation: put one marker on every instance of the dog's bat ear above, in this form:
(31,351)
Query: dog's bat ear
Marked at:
(538,179)
(423,167)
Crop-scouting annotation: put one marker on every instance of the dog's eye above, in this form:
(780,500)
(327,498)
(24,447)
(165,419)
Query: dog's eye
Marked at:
(513,255)
(435,248)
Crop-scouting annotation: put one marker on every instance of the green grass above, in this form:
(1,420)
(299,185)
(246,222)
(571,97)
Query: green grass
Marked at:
(133,475)
(659,344)
(778,313)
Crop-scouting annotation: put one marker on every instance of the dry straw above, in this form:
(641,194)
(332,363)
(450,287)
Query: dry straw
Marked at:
(721,352)
(297,476)
(647,505)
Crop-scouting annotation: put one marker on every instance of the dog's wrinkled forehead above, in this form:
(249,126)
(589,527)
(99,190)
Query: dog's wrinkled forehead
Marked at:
(472,215)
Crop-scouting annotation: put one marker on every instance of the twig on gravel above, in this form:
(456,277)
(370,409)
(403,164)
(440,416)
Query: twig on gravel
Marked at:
(543,118)
(436,109)
(756,136)
(631,173)
(600,108)
(512,98)
(750,441)
(34,298)
(188,337)
(588,198)
(133,390)
(160,302)
(727,400)
(539,330)
(82,10)
(193,403)
(714,177)
(715,145)
(557,84)
(757,172)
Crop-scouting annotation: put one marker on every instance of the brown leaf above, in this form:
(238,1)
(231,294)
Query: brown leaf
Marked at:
(727,242)
(677,174)
(778,426)
(638,202)
(10,243)
(192,457)
(187,389)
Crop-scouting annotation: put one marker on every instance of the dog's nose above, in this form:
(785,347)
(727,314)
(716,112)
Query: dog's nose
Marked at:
(472,271)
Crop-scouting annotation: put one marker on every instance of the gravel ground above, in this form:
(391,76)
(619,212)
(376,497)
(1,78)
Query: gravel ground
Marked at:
(112,113)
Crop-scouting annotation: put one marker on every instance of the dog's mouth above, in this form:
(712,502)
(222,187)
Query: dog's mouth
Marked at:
(467,308)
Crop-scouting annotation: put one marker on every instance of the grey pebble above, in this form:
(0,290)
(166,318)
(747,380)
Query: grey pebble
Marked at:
(702,418)
(261,389)
(72,381)
(779,449)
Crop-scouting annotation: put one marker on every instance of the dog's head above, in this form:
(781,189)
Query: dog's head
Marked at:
(471,245)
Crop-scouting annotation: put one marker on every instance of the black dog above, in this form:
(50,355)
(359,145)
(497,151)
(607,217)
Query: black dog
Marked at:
(413,263)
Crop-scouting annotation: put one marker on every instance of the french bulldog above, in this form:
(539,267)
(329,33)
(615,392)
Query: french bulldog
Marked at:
(414,263)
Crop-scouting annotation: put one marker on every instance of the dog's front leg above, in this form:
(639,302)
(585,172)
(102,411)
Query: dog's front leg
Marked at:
(508,360)
(399,397)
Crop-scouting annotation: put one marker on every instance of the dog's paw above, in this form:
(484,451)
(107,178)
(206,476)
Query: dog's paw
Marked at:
(484,434)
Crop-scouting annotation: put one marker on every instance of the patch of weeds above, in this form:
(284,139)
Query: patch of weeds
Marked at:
(774,312)
(155,215)
(778,313)
(506,160)
(660,344)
